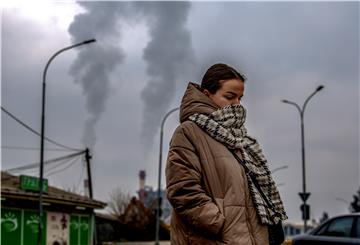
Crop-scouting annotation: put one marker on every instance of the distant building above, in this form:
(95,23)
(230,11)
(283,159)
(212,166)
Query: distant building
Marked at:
(137,223)
(68,217)
(295,228)
(108,228)
(292,229)
(148,196)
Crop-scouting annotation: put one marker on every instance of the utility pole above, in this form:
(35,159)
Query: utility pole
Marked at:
(89,180)
(90,186)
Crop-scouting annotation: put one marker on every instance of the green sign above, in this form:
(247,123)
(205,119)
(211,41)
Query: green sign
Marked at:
(80,230)
(20,227)
(84,230)
(10,226)
(74,229)
(31,228)
(32,183)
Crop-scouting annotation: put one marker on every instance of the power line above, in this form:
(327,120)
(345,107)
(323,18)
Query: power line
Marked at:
(49,168)
(63,169)
(48,162)
(33,170)
(81,178)
(33,165)
(35,132)
(57,165)
(28,148)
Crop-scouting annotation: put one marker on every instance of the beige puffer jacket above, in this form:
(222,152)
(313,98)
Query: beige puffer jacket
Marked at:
(206,185)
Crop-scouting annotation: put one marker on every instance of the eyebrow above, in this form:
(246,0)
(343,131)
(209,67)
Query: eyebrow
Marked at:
(232,93)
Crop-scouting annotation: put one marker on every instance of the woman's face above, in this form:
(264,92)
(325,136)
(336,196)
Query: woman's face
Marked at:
(230,93)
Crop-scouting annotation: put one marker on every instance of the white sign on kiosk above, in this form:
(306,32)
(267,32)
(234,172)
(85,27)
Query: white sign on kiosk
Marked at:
(57,228)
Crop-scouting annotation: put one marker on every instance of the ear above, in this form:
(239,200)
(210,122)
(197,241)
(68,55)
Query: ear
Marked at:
(206,92)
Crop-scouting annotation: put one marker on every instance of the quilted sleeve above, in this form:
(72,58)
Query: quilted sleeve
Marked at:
(184,190)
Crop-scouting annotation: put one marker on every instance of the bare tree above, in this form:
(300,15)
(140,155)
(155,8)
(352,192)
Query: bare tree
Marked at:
(355,204)
(118,202)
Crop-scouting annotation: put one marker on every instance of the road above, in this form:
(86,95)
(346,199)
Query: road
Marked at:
(139,243)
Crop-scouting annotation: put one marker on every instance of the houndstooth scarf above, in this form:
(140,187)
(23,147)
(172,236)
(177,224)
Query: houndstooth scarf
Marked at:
(227,126)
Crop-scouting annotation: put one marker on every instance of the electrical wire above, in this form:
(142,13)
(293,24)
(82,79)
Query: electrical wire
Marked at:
(81,178)
(35,132)
(29,148)
(31,172)
(48,168)
(47,162)
(63,169)
(50,161)
(54,166)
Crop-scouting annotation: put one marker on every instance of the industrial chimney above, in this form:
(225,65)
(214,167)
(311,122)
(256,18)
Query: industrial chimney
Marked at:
(142,175)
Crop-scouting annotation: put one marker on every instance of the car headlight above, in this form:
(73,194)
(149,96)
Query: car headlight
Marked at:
(287,241)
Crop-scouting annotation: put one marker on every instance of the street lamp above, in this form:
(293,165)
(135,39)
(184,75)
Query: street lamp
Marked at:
(279,168)
(42,134)
(342,200)
(280,184)
(304,195)
(159,176)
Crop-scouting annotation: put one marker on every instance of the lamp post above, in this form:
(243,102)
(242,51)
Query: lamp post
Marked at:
(280,184)
(342,200)
(42,134)
(159,176)
(304,195)
(279,168)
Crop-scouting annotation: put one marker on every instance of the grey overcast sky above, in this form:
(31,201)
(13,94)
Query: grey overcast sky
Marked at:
(112,95)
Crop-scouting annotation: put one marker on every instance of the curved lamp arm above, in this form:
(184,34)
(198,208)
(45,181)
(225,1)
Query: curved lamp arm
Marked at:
(157,228)
(294,104)
(62,50)
(311,95)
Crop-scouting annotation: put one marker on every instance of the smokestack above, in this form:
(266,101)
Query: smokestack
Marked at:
(142,175)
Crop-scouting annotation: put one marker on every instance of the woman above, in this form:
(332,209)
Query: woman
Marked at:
(214,200)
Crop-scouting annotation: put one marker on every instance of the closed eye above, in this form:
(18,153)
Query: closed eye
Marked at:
(229,97)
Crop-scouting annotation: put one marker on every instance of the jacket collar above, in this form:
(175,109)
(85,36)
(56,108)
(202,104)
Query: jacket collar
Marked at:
(195,101)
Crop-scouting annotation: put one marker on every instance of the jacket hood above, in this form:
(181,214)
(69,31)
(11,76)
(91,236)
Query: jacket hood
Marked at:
(195,101)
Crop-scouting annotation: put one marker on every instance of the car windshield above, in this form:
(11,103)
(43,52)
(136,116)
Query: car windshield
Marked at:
(340,227)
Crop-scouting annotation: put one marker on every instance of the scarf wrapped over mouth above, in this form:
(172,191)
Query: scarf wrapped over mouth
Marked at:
(227,125)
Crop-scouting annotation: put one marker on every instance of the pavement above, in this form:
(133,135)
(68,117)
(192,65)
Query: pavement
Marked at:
(141,243)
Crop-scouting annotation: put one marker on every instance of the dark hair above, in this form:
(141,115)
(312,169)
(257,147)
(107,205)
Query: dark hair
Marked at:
(216,74)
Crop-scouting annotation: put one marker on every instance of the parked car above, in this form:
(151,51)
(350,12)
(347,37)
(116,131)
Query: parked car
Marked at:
(339,230)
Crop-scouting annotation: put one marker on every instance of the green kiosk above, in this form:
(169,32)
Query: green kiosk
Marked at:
(68,217)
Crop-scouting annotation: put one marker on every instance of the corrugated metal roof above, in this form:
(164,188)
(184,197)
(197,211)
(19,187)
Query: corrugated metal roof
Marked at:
(10,187)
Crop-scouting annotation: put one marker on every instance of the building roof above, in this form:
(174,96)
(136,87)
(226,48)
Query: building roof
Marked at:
(107,216)
(10,187)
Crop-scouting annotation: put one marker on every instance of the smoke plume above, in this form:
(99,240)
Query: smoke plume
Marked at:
(96,61)
(168,54)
